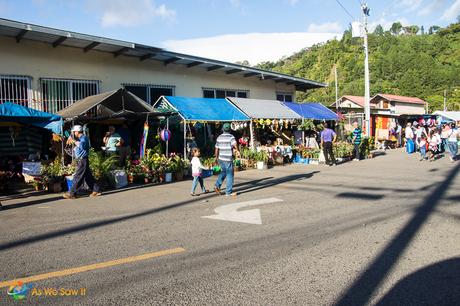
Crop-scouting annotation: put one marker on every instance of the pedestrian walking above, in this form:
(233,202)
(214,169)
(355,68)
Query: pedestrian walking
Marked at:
(419,131)
(225,144)
(398,134)
(409,137)
(452,142)
(357,132)
(83,172)
(423,145)
(328,137)
(433,144)
(197,172)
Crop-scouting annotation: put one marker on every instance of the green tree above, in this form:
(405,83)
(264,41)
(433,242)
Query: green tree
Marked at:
(379,30)
(396,28)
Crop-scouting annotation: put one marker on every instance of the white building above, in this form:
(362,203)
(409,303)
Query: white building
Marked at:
(49,69)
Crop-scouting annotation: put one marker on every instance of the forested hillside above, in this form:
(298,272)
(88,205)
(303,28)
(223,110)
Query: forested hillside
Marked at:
(404,61)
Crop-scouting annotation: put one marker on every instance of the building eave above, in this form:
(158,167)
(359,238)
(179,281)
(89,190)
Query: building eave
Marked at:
(89,43)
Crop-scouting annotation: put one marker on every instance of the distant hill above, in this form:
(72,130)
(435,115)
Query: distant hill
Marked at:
(404,61)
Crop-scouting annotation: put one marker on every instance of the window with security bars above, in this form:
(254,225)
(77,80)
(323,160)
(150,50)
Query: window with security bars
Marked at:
(217,93)
(59,93)
(150,93)
(284,96)
(15,89)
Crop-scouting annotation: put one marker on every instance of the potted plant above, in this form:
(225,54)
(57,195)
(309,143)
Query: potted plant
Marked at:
(262,160)
(37,184)
(101,167)
(52,176)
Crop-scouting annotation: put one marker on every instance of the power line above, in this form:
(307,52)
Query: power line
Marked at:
(346,11)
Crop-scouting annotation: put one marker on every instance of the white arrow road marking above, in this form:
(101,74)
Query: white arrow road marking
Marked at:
(230,212)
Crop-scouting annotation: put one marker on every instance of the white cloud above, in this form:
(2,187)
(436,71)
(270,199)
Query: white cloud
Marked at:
(411,5)
(430,8)
(114,13)
(235,3)
(293,2)
(253,47)
(328,27)
(452,12)
(386,24)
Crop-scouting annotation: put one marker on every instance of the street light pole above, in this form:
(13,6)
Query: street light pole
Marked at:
(367,110)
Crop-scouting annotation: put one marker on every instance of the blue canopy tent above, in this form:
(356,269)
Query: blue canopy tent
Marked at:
(315,111)
(201,109)
(11,112)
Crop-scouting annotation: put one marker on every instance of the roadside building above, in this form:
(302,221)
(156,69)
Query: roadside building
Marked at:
(49,69)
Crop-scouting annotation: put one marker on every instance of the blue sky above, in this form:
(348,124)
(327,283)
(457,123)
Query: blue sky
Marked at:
(255,30)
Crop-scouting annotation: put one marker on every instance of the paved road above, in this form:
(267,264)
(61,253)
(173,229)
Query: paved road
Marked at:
(377,232)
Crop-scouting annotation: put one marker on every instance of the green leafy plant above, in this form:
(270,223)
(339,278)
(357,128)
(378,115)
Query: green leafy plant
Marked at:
(306,125)
(101,166)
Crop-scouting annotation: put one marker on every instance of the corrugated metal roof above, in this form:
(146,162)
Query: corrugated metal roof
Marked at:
(56,37)
(264,109)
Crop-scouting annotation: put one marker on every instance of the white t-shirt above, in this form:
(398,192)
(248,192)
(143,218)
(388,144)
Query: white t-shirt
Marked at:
(453,136)
(409,133)
(197,167)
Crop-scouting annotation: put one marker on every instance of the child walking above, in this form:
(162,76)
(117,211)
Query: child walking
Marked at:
(422,145)
(197,169)
(433,144)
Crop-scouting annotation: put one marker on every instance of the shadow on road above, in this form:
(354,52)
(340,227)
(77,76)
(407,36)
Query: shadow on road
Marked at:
(437,284)
(255,185)
(365,285)
(360,196)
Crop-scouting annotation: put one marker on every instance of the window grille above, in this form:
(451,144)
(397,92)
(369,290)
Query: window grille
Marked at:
(15,89)
(59,93)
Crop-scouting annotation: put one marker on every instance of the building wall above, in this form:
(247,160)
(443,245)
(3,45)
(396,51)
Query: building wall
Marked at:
(39,60)
(349,104)
(409,109)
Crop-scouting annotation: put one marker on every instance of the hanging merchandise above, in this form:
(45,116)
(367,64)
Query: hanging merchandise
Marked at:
(286,124)
(165,135)
(144,140)
(268,121)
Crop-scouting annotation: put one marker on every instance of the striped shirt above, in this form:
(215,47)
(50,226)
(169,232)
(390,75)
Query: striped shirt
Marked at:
(225,143)
(357,134)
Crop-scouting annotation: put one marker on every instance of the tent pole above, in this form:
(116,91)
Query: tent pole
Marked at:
(251,132)
(185,138)
(62,142)
(303,133)
(167,141)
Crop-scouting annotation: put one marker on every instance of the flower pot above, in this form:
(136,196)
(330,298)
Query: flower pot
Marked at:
(179,175)
(130,178)
(261,165)
(54,187)
(168,177)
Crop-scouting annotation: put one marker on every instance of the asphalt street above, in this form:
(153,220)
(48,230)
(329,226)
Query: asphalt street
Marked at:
(383,231)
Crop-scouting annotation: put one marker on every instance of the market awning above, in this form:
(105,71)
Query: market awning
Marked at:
(453,116)
(202,109)
(315,111)
(264,109)
(115,103)
(11,112)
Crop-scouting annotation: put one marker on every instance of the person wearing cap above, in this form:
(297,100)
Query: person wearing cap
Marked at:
(225,144)
(82,172)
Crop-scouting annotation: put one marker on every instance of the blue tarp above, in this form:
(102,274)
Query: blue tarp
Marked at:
(203,109)
(315,111)
(11,112)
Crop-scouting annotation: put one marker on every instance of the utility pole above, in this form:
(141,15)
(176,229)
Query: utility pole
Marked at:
(445,100)
(336,86)
(367,110)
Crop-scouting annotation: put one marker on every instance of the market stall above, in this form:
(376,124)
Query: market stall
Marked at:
(275,116)
(201,110)
(22,148)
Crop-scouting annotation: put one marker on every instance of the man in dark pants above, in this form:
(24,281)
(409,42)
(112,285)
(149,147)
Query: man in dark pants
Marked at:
(83,172)
(328,137)
(356,139)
